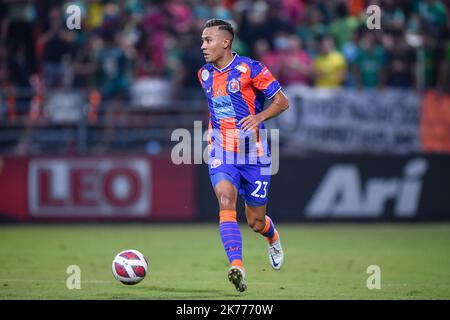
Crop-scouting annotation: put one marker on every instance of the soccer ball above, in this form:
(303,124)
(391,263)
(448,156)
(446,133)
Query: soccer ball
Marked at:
(129,267)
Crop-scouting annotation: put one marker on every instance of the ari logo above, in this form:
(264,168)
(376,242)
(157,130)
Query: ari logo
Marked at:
(342,194)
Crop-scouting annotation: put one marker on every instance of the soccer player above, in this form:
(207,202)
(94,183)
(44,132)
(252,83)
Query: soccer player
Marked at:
(236,88)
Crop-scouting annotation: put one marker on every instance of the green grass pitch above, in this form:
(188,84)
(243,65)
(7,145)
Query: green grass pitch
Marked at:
(323,261)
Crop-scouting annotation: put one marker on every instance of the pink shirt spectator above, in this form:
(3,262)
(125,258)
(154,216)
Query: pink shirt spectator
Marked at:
(295,68)
(296,65)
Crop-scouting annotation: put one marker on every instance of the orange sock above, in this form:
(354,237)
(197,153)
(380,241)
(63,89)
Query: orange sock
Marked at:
(269,231)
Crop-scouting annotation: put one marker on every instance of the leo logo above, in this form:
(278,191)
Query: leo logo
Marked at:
(234,86)
(80,187)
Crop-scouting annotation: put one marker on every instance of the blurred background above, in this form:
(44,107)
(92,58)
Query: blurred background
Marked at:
(86,115)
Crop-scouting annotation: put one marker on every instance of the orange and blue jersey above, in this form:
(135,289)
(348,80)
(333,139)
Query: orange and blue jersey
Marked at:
(233,93)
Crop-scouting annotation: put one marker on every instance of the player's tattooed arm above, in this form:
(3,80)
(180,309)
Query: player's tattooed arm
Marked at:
(279,103)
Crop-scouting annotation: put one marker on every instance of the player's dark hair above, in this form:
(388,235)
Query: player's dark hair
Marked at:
(223,25)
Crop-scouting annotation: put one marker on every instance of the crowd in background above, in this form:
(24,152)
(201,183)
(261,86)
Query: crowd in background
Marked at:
(313,42)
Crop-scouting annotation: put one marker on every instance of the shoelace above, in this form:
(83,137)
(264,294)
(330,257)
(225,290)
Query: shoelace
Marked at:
(274,251)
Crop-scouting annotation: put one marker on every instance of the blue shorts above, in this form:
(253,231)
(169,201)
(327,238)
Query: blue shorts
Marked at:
(251,180)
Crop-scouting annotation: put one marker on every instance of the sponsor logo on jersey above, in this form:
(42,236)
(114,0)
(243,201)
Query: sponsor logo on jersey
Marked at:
(215,163)
(241,68)
(223,107)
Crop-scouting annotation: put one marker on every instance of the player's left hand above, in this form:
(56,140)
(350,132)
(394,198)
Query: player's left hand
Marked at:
(250,122)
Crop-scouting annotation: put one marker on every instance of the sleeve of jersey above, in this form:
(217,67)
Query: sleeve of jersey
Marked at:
(264,81)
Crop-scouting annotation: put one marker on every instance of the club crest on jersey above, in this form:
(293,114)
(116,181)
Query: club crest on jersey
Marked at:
(205,75)
(215,163)
(234,86)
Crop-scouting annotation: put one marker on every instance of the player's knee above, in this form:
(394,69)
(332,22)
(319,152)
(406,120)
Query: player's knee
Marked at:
(256,225)
(227,200)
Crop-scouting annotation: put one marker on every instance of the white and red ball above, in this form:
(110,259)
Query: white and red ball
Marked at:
(129,267)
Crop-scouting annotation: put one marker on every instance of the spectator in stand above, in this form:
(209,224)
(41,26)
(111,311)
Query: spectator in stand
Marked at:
(58,44)
(433,52)
(270,58)
(434,14)
(400,72)
(265,22)
(296,65)
(370,63)
(191,60)
(151,51)
(181,13)
(350,50)
(112,65)
(317,24)
(343,26)
(393,17)
(294,11)
(18,43)
(84,67)
(356,7)
(330,67)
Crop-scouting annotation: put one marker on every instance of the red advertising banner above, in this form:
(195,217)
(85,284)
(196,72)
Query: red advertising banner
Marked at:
(13,188)
(96,188)
(435,123)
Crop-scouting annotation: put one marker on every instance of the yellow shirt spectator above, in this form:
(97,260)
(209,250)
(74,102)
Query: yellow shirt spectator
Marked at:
(330,69)
(95,14)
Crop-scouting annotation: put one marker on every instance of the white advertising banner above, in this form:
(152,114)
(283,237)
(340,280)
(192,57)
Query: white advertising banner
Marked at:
(350,121)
